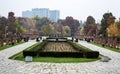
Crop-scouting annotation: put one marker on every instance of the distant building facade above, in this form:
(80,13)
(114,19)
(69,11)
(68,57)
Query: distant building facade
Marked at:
(42,12)
(81,23)
(54,15)
(27,14)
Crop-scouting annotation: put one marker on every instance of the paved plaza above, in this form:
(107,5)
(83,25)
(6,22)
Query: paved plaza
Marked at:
(8,66)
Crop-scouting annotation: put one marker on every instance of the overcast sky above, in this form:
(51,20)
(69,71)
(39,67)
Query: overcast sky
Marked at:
(79,9)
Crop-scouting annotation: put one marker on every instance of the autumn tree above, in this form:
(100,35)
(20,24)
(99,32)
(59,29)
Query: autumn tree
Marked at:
(81,31)
(3,23)
(72,23)
(59,28)
(3,26)
(14,28)
(61,22)
(90,20)
(28,24)
(107,19)
(11,28)
(48,29)
(45,30)
(19,28)
(114,29)
(66,30)
(41,21)
(11,21)
(53,29)
(90,27)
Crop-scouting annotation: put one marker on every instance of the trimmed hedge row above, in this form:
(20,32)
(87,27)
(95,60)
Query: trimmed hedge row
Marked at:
(33,50)
(29,53)
(36,50)
(79,47)
(61,54)
(92,54)
(86,52)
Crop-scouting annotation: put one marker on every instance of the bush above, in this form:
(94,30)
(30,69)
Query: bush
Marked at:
(33,51)
(37,40)
(86,52)
(76,40)
(88,39)
(12,43)
(41,46)
(29,53)
(79,47)
(83,51)
(92,54)
(61,54)
(26,39)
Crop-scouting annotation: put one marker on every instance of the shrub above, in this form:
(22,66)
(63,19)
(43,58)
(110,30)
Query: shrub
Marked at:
(41,46)
(33,50)
(38,48)
(76,40)
(92,54)
(37,40)
(26,39)
(29,53)
(79,47)
(61,54)
(86,52)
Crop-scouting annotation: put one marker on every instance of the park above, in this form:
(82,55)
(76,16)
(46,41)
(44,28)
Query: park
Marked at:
(61,47)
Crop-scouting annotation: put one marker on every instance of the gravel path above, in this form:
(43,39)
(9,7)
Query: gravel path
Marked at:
(8,66)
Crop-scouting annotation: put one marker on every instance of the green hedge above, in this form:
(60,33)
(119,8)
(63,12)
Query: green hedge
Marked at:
(92,54)
(37,50)
(61,54)
(86,51)
(79,47)
(33,50)
(29,53)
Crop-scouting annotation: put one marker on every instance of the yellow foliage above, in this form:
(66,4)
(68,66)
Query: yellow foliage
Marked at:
(82,31)
(113,30)
(66,30)
(48,29)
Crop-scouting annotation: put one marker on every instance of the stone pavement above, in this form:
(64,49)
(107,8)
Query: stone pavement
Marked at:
(8,66)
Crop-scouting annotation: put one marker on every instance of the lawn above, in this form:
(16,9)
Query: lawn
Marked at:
(59,60)
(113,49)
(20,57)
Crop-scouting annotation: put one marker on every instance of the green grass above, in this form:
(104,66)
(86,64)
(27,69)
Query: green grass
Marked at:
(8,46)
(19,56)
(58,60)
(62,60)
(113,49)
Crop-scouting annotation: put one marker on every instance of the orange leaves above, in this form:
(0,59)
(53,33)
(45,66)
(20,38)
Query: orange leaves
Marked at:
(113,30)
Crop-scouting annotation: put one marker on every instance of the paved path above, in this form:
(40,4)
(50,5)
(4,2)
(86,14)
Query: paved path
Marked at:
(8,66)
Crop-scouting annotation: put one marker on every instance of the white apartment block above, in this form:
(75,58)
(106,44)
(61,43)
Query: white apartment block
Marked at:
(42,12)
